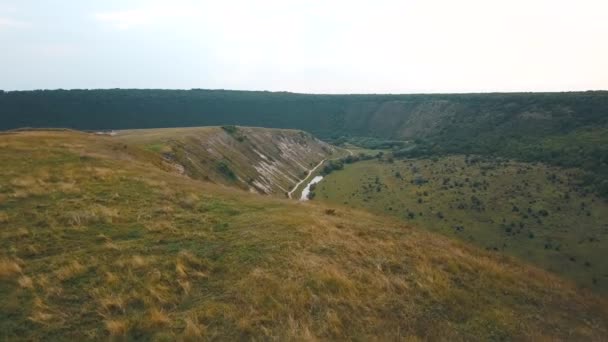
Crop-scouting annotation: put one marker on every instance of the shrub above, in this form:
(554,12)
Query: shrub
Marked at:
(230,129)
(330,212)
(223,168)
(331,166)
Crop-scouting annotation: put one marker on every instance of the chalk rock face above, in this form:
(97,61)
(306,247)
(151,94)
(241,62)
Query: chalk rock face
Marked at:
(262,160)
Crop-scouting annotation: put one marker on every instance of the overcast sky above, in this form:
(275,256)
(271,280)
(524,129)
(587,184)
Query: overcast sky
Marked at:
(319,46)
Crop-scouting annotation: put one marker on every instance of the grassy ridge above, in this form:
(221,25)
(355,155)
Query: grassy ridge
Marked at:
(98,241)
(535,212)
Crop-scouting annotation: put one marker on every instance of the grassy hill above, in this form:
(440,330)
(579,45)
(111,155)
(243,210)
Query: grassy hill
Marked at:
(535,212)
(101,238)
(268,161)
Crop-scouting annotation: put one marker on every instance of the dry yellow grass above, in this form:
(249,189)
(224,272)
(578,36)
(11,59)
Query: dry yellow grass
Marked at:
(180,270)
(111,278)
(157,318)
(189,200)
(117,327)
(235,266)
(100,173)
(41,313)
(160,226)
(193,330)
(9,269)
(70,270)
(92,215)
(3,217)
(26,282)
(138,261)
(67,188)
(112,304)
(21,232)
(111,245)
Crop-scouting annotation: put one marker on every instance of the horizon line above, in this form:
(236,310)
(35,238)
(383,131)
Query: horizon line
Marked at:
(310,93)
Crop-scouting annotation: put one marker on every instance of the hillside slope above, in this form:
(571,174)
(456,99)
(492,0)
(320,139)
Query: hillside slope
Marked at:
(99,238)
(535,212)
(268,161)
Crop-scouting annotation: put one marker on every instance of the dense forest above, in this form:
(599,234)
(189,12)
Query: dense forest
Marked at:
(566,129)
(386,116)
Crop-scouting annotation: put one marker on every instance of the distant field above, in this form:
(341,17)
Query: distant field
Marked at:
(531,211)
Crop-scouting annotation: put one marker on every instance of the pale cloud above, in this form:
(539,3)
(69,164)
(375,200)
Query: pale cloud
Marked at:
(56,50)
(317,45)
(391,46)
(8,23)
(6,8)
(144,16)
(125,19)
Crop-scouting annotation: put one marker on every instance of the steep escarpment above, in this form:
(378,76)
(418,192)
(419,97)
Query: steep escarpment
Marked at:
(267,161)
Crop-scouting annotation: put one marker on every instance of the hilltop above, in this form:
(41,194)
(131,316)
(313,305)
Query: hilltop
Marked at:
(103,238)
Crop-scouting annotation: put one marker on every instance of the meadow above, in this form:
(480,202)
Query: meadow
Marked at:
(538,213)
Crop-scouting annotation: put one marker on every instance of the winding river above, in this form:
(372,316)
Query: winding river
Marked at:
(315,180)
(306,190)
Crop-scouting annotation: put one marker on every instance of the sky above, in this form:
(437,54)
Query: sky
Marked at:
(309,46)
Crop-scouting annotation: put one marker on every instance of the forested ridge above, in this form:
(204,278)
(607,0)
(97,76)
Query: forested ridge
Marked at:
(324,115)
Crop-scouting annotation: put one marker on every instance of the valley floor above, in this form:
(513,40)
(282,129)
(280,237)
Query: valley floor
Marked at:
(532,211)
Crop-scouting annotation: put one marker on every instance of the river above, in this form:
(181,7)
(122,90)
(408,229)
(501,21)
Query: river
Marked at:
(306,190)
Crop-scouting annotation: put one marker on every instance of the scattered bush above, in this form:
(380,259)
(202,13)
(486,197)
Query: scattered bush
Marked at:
(230,129)
(331,166)
(223,168)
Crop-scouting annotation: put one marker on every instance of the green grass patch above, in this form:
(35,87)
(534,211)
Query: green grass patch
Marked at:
(535,212)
